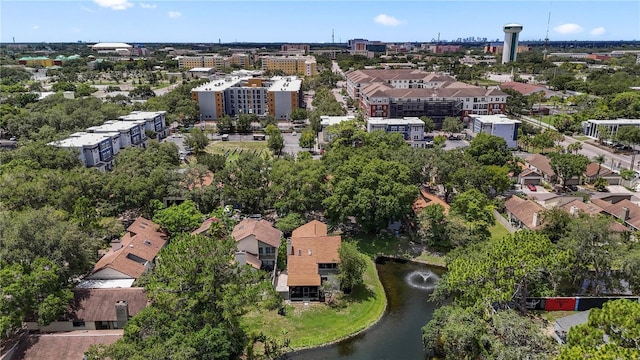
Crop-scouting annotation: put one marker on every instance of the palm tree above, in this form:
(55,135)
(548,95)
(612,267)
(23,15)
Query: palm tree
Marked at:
(599,159)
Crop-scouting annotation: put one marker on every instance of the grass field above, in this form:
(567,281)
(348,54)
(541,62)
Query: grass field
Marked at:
(316,323)
(222,147)
(498,231)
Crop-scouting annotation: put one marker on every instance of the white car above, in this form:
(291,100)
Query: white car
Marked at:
(294,133)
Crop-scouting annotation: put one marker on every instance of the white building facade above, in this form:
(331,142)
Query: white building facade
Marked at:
(497,125)
(411,129)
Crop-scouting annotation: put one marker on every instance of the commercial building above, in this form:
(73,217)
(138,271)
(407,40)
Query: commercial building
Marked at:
(497,48)
(36,61)
(304,48)
(364,45)
(155,121)
(236,95)
(414,93)
(411,129)
(511,32)
(290,65)
(441,48)
(110,48)
(497,125)
(590,127)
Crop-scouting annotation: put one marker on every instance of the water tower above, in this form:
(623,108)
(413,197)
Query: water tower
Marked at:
(510,49)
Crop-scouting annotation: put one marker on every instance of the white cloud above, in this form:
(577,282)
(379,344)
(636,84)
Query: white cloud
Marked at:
(148,6)
(598,31)
(36,27)
(568,29)
(174,14)
(387,20)
(114,4)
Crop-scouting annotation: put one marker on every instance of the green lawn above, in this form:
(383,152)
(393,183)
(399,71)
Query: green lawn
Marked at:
(498,231)
(220,147)
(582,138)
(317,323)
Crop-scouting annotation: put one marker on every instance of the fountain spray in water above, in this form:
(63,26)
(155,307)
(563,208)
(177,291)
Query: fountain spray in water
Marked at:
(422,279)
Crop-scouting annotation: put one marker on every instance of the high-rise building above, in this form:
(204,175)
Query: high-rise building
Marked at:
(510,51)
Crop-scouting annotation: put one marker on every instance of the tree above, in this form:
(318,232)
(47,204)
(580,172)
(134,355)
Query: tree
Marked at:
(429,125)
(599,159)
(432,226)
(574,147)
(289,223)
(297,185)
(471,333)
(516,102)
(197,140)
(179,218)
(198,294)
(85,90)
(307,140)
(63,86)
(298,114)
(476,209)
(452,125)
(245,182)
(567,166)
(33,290)
(351,267)
(142,92)
(275,141)
(489,150)
(612,332)
(225,125)
(213,162)
(629,135)
(374,191)
(600,184)
(594,248)
(604,133)
(243,124)
(503,270)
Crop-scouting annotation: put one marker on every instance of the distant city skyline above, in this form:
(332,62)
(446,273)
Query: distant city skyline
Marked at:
(312,21)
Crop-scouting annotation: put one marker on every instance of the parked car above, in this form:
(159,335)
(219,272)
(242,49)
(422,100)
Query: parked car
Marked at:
(573,187)
(531,187)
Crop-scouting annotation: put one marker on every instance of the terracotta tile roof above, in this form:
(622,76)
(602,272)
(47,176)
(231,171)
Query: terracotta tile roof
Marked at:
(261,229)
(425,199)
(99,304)
(587,208)
(522,88)
(379,75)
(307,253)
(311,229)
(523,210)
(206,225)
(142,242)
(529,172)
(592,170)
(542,163)
(68,345)
(617,209)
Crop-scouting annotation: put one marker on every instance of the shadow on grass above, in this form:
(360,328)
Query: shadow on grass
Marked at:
(359,294)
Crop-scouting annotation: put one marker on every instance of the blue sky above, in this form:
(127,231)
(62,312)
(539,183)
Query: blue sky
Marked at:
(311,21)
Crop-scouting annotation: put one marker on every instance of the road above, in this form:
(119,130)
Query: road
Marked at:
(612,160)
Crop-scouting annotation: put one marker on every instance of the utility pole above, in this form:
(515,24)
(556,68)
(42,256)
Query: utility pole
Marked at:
(333,38)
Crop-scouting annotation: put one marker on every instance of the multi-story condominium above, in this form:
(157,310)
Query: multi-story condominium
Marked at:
(497,125)
(324,136)
(131,132)
(290,65)
(94,149)
(414,93)
(214,61)
(236,95)
(155,121)
(411,128)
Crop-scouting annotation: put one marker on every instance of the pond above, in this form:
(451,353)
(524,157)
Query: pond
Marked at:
(398,335)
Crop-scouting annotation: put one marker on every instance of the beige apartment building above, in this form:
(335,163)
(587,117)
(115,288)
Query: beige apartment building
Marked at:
(290,65)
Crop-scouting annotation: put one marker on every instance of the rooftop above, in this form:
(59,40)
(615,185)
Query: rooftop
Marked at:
(82,139)
(99,304)
(221,84)
(495,119)
(141,115)
(116,126)
(333,120)
(261,229)
(403,121)
(285,83)
(67,345)
(616,122)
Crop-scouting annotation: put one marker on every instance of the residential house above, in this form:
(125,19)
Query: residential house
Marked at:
(68,345)
(575,207)
(528,89)
(595,171)
(523,214)
(98,309)
(258,243)
(542,165)
(425,198)
(623,210)
(312,258)
(529,176)
(204,228)
(133,255)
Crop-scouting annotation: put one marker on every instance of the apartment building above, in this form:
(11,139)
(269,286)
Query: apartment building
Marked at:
(94,149)
(290,65)
(413,93)
(214,61)
(411,129)
(497,125)
(304,48)
(236,95)
(155,121)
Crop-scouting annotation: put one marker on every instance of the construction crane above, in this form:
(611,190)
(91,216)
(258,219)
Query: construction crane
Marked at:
(546,38)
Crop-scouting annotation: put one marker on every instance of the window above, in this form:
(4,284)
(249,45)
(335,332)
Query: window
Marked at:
(78,324)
